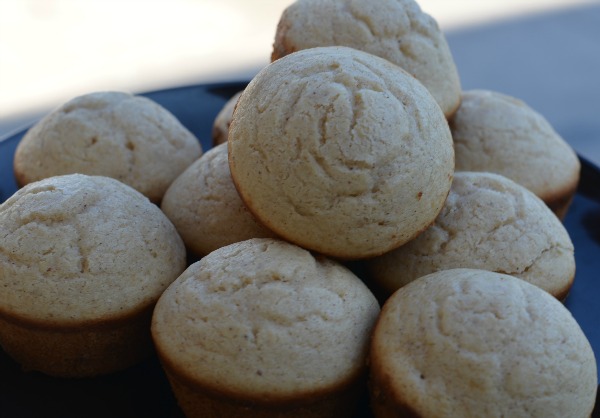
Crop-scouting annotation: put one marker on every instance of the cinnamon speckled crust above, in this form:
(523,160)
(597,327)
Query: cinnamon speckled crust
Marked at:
(113,134)
(341,152)
(472,343)
(396,30)
(488,222)
(83,259)
(499,133)
(205,207)
(220,129)
(263,326)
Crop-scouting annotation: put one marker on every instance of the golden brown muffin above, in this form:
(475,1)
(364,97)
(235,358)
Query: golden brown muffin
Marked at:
(473,343)
(489,222)
(83,259)
(340,152)
(113,134)
(262,328)
(397,31)
(205,207)
(501,134)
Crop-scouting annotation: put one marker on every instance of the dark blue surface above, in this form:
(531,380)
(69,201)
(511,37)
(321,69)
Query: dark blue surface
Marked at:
(583,223)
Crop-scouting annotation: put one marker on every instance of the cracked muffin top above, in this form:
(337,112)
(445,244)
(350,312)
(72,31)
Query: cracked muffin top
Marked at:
(265,320)
(340,152)
(113,134)
(206,209)
(501,134)
(78,249)
(396,30)
(491,223)
(473,343)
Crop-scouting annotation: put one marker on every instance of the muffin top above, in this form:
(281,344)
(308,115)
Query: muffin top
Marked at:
(340,151)
(473,343)
(488,222)
(501,134)
(80,249)
(265,320)
(113,134)
(395,30)
(205,207)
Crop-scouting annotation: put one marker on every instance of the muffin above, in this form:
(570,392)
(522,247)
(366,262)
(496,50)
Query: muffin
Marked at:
(472,343)
(499,133)
(489,222)
(113,134)
(83,260)
(205,207)
(222,121)
(262,328)
(395,30)
(340,152)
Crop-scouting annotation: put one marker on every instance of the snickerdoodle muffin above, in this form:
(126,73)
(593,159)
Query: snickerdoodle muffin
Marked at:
(83,260)
(221,123)
(472,343)
(488,222)
(205,207)
(340,152)
(262,328)
(499,133)
(396,30)
(114,134)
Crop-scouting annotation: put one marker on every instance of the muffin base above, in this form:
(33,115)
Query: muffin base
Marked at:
(78,351)
(560,204)
(198,402)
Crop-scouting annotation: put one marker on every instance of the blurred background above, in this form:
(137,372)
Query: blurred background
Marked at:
(545,52)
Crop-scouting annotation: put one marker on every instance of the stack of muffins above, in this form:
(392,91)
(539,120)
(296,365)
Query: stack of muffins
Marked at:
(355,146)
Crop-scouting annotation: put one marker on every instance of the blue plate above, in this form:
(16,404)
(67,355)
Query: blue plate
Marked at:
(143,391)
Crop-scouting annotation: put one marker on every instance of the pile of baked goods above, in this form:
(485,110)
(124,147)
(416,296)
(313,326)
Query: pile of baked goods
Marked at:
(361,226)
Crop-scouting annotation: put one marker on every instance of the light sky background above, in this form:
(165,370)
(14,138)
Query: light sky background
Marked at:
(53,50)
